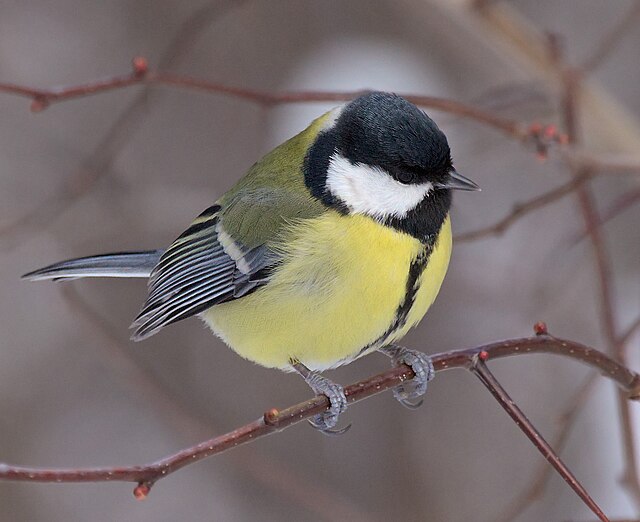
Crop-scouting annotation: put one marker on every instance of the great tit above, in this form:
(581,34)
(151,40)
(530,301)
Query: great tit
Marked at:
(332,246)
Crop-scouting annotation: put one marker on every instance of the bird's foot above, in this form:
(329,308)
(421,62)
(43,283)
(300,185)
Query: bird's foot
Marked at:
(325,422)
(422,366)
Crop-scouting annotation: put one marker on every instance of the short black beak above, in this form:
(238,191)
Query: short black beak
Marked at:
(458,182)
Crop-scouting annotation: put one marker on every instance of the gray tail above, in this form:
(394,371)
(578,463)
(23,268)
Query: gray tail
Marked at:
(123,264)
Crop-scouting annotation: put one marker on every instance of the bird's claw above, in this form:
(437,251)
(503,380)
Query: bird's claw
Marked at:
(422,367)
(319,422)
(326,422)
(408,404)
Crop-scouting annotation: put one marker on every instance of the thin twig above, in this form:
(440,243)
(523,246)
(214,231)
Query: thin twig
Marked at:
(274,421)
(521,209)
(627,200)
(480,369)
(616,520)
(601,163)
(629,332)
(612,38)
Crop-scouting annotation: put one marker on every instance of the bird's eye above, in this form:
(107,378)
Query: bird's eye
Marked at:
(405,176)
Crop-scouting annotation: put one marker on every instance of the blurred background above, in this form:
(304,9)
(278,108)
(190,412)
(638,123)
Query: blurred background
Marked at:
(129,169)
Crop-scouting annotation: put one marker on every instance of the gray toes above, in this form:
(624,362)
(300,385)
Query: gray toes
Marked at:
(327,421)
(423,369)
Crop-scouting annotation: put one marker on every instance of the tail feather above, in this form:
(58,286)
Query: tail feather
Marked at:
(123,264)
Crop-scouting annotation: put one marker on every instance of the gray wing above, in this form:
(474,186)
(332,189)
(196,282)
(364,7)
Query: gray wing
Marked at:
(203,267)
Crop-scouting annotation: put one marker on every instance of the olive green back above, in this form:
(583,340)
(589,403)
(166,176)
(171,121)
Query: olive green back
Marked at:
(272,193)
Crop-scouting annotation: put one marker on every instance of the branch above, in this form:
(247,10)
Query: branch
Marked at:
(520,210)
(602,163)
(629,332)
(613,36)
(541,136)
(277,420)
(621,204)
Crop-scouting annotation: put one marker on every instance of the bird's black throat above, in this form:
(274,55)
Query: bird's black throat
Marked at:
(425,220)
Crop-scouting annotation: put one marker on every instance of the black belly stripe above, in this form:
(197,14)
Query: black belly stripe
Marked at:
(415,271)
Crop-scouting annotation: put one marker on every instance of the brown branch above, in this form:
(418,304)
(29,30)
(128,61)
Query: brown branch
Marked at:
(520,210)
(141,74)
(479,368)
(274,421)
(612,38)
(621,204)
(621,520)
(601,163)
(629,332)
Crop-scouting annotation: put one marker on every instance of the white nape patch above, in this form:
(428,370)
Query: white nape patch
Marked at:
(371,190)
(332,117)
(232,249)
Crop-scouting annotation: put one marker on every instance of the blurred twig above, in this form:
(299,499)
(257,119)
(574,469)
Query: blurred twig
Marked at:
(626,336)
(519,210)
(612,38)
(621,204)
(602,163)
(100,161)
(536,487)
(273,420)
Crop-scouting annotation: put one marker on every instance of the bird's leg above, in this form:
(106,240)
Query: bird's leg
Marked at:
(325,422)
(421,365)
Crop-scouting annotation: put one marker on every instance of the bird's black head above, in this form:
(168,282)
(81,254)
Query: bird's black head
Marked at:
(384,130)
(384,157)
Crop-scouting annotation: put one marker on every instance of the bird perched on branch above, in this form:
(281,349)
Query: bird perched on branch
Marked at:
(331,247)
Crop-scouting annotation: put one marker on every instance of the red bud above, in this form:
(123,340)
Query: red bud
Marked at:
(141,491)
(540,328)
(140,65)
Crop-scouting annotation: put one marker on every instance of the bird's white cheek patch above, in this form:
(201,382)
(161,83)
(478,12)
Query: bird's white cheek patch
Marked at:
(371,190)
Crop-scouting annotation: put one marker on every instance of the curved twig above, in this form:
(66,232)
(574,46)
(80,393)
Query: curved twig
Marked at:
(521,209)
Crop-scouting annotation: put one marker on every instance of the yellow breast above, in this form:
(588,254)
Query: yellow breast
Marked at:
(337,291)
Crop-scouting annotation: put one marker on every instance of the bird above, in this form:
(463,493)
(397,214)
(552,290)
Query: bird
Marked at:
(331,247)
